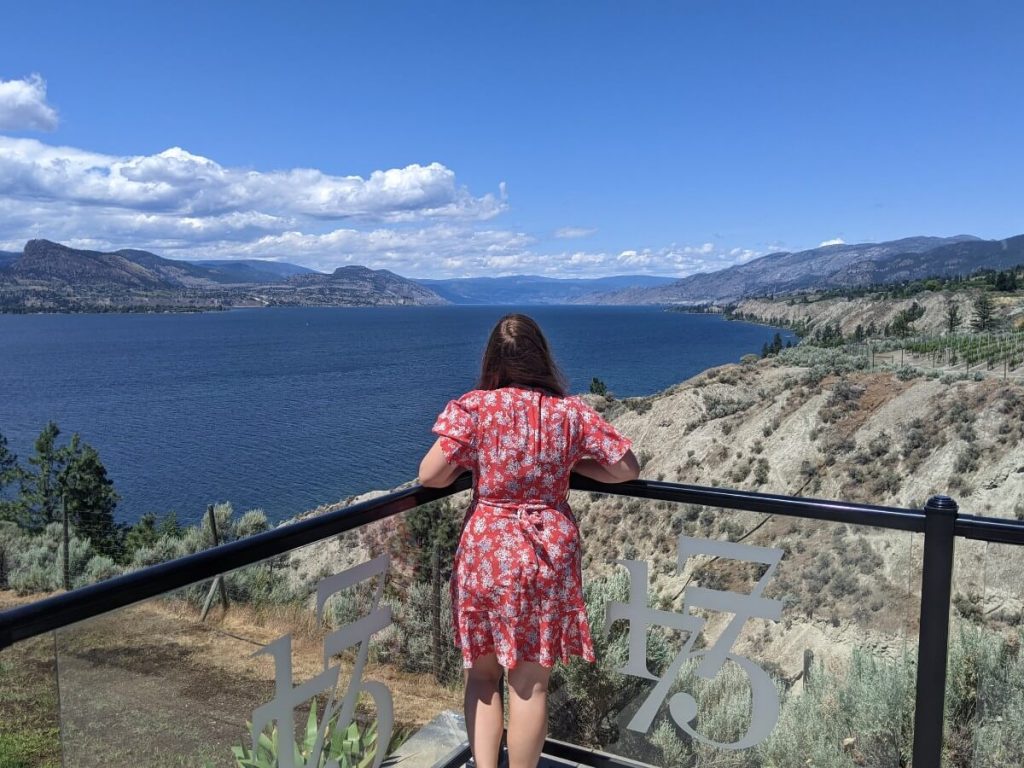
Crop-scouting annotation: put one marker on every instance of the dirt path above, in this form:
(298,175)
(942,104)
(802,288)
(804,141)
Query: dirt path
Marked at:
(151,686)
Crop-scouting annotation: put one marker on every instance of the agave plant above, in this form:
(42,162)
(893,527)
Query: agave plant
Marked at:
(349,747)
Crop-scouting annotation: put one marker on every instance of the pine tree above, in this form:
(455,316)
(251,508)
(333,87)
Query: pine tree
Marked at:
(984,313)
(40,493)
(953,318)
(69,480)
(10,473)
(89,496)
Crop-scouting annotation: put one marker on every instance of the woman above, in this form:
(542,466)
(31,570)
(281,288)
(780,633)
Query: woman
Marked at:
(516,586)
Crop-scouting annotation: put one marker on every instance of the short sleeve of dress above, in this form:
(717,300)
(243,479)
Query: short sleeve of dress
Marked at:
(599,439)
(456,426)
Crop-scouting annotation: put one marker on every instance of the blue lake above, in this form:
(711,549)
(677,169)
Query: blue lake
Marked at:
(285,409)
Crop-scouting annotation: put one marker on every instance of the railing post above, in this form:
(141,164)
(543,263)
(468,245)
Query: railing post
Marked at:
(933,642)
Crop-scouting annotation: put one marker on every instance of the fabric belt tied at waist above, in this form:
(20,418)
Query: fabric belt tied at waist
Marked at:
(527,510)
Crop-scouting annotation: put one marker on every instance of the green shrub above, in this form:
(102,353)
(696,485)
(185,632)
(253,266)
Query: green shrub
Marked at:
(410,642)
(37,564)
(166,548)
(252,522)
(99,568)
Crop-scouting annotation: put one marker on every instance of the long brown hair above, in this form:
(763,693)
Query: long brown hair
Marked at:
(517,354)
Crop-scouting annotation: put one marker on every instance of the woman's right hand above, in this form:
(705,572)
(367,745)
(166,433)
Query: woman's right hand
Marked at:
(625,469)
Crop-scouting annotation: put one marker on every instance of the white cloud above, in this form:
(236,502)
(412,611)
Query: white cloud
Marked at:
(573,232)
(633,258)
(587,259)
(833,241)
(178,182)
(23,106)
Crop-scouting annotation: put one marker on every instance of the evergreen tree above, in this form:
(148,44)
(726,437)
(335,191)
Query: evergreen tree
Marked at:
(984,313)
(1006,281)
(435,524)
(901,327)
(953,318)
(142,535)
(10,473)
(72,480)
(40,493)
(598,387)
(89,496)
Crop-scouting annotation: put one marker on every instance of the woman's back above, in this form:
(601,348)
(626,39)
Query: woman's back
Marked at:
(522,443)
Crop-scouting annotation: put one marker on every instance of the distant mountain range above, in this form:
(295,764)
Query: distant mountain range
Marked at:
(532,289)
(833,266)
(47,276)
(43,260)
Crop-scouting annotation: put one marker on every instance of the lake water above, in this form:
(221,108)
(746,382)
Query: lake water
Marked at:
(285,409)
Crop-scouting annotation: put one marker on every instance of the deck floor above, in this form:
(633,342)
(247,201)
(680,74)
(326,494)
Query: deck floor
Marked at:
(557,754)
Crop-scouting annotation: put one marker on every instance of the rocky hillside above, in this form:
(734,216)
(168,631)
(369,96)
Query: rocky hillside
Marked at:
(53,263)
(865,311)
(833,266)
(823,429)
(350,286)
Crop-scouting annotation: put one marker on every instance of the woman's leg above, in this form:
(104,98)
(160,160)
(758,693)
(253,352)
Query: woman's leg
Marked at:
(485,719)
(528,713)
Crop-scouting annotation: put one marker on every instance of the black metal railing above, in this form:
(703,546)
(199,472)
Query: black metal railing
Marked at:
(939,522)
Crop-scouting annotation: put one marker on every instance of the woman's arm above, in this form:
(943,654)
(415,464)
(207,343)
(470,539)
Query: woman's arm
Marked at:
(435,471)
(626,468)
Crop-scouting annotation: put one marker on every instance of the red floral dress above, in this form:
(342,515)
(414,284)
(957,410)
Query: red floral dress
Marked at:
(516,584)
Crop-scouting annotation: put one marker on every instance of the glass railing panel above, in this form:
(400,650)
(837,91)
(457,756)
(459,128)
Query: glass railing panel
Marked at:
(770,640)
(350,630)
(29,712)
(967,592)
(985,686)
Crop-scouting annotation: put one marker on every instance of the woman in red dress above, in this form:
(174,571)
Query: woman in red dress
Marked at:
(517,597)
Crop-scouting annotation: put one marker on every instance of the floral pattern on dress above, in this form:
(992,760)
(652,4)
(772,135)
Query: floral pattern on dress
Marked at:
(516,585)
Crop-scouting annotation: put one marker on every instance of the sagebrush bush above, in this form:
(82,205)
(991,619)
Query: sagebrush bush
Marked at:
(252,522)
(165,548)
(823,361)
(259,584)
(37,564)
(98,568)
(411,643)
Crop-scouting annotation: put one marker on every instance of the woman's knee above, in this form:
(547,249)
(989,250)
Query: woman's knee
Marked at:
(529,679)
(485,670)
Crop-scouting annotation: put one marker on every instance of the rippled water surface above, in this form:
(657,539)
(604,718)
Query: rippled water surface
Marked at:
(285,409)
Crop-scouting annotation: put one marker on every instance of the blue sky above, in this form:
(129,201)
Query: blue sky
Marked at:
(454,139)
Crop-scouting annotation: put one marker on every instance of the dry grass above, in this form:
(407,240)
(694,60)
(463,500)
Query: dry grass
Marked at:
(151,685)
